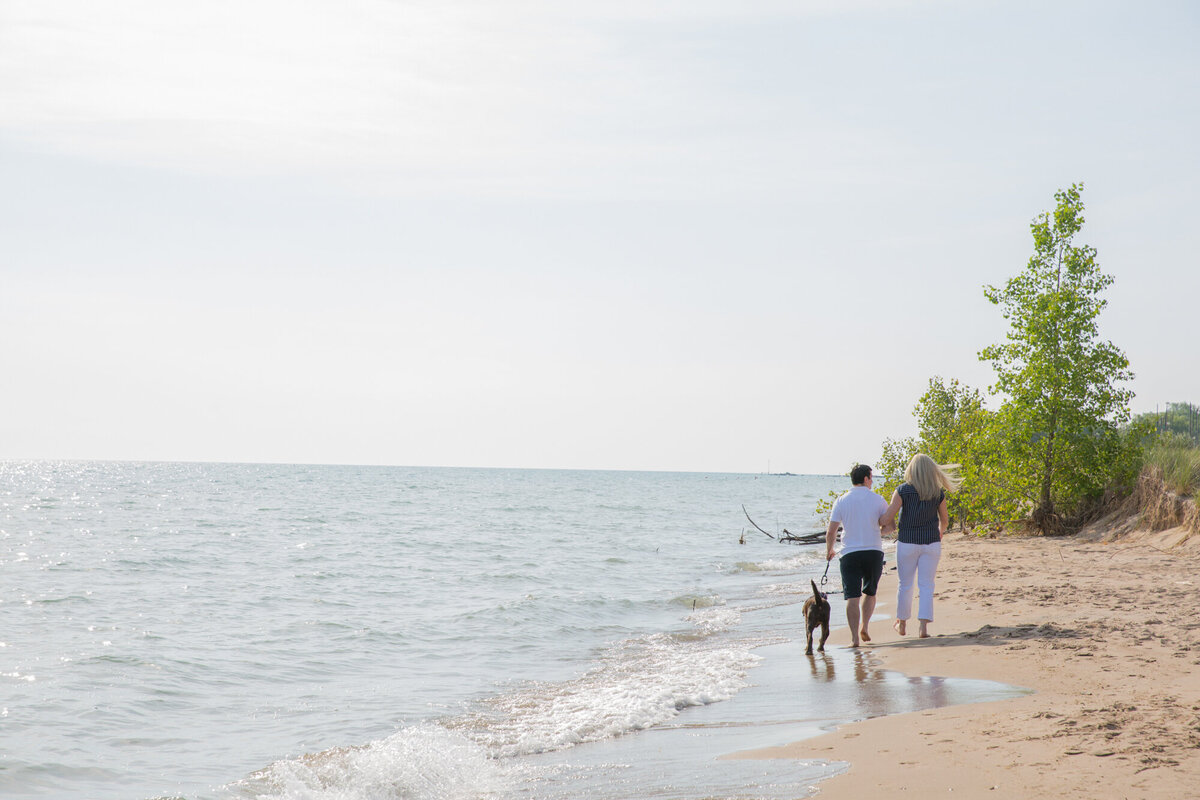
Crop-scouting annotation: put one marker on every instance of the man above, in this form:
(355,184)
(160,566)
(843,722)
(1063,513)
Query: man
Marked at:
(858,512)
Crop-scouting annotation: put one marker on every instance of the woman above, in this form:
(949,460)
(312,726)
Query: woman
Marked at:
(921,502)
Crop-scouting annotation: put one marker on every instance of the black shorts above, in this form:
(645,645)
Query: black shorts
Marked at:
(861,571)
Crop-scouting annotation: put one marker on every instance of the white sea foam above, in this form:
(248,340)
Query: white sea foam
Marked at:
(788,563)
(424,761)
(785,590)
(694,601)
(715,620)
(638,683)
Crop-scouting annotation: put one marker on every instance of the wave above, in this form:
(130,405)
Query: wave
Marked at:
(694,601)
(423,761)
(635,684)
(789,564)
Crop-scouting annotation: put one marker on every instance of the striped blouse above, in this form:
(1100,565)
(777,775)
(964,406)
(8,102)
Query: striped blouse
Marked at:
(918,518)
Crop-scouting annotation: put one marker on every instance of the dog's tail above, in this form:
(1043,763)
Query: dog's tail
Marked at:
(816,591)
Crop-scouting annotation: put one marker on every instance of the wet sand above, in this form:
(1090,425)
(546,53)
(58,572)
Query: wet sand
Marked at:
(1107,633)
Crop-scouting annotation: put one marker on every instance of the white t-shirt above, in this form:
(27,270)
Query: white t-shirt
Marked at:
(859,511)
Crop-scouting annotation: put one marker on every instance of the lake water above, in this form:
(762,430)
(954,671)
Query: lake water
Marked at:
(226,631)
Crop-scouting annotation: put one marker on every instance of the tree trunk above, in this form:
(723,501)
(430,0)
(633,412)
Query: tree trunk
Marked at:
(1044,516)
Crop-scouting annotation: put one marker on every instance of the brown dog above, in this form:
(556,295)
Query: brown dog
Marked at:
(816,612)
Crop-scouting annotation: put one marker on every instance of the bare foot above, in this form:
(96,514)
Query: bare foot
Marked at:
(865,636)
(854,644)
(924,632)
(901,626)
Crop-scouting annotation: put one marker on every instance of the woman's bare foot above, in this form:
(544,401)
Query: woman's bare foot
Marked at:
(865,636)
(923,633)
(901,626)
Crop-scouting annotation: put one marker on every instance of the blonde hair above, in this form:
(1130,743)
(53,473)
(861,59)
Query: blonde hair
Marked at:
(924,474)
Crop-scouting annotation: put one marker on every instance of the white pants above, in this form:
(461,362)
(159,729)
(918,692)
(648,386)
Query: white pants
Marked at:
(919,561)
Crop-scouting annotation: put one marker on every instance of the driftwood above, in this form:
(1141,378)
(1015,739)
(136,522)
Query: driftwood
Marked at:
(802,538)
(816,537)
(752,522)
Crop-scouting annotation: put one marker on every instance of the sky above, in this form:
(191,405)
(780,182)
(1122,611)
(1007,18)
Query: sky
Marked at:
(687,235)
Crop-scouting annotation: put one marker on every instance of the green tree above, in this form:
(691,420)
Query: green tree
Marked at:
(955,429)
(948,416)
(891,464)
(1058,434)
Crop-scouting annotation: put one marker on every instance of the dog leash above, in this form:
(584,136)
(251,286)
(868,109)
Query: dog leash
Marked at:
(825,577)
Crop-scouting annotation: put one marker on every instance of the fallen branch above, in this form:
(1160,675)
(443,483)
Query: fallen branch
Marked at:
(803,538)
(752,522)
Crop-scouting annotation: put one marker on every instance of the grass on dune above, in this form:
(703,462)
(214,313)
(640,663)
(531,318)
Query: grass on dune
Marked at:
(1180,465)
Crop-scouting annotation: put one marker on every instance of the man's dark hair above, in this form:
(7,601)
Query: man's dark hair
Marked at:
(858,475)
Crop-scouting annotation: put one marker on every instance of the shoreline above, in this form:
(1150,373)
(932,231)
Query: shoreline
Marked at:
(1105,631)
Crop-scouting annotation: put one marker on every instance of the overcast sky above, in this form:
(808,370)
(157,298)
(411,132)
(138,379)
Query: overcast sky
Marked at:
(695,235)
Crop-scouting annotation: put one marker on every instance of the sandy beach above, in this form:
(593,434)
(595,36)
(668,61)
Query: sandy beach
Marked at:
(1103,626)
